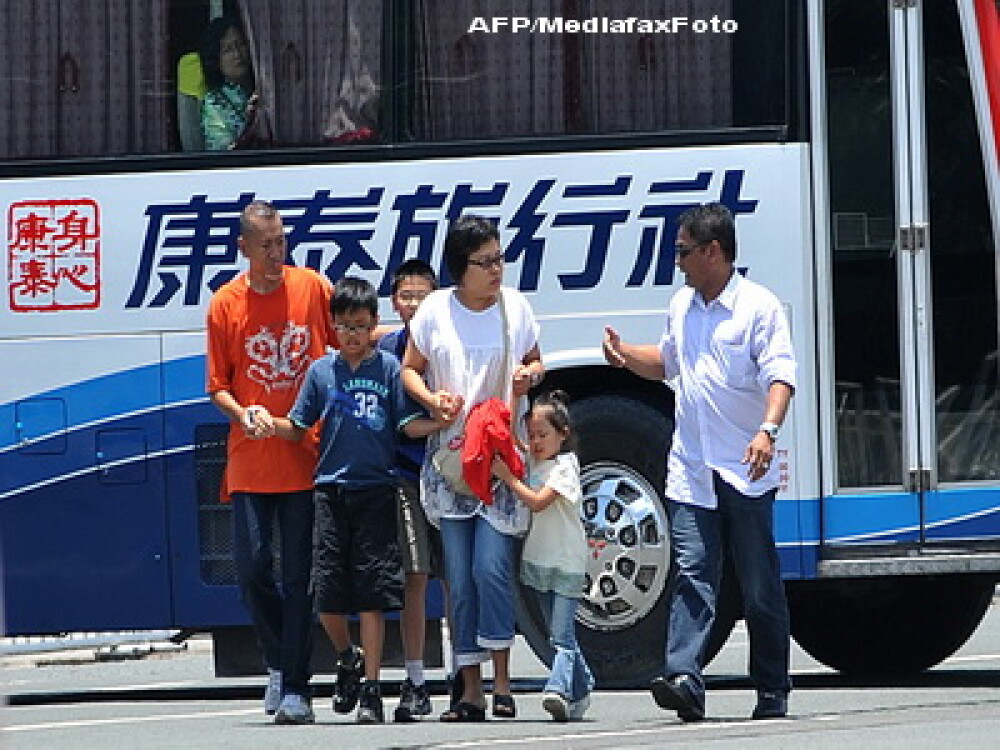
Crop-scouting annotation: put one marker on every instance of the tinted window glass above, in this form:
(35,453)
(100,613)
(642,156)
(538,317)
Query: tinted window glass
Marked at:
(590,67)
(91,78)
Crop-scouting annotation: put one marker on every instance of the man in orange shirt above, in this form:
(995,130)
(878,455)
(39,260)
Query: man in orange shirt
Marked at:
(265,328)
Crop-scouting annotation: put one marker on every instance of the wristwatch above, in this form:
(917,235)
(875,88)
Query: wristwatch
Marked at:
(770,429)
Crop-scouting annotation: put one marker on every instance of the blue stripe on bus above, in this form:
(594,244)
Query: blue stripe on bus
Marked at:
(122,400)
(895,517)
(60,458)
(882,517)
(184,378)
(962,513)
(106,398)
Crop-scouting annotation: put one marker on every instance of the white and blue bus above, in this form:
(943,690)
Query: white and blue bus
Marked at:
(855,141)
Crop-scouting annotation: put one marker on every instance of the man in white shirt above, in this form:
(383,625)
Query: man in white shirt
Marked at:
(727,345)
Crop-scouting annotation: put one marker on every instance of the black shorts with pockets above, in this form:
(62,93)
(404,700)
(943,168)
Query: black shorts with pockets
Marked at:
(357,565)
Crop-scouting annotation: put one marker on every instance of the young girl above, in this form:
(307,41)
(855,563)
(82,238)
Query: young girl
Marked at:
(555,552)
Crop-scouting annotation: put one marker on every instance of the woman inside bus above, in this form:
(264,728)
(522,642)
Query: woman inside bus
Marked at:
(454,361)
(229,107)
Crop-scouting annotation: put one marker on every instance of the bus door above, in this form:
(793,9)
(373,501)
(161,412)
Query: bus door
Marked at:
(916,403)
(82,526)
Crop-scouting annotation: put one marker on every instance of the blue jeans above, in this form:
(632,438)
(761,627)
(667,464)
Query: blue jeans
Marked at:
(282,618)
(570,676)
(478,563)
(743,526)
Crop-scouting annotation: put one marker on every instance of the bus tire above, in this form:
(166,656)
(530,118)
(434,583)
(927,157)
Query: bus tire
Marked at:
(621,621)
(887,626)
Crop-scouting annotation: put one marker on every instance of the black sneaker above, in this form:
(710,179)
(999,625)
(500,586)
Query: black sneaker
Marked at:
(679,694)
(414,702)
(370,704)
(349,673)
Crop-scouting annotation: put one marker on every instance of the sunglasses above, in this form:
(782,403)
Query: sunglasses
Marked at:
(684,251)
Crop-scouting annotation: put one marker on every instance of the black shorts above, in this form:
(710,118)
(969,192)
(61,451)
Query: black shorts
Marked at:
(420,542)
(356,562)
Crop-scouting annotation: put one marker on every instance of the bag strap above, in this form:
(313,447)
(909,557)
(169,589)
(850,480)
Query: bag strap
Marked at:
(504,377)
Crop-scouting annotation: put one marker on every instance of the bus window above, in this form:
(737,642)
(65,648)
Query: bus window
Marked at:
(862,226)
(314,79)
(548,80)
(80,79)
(963,263)
(318,67)
(83,78)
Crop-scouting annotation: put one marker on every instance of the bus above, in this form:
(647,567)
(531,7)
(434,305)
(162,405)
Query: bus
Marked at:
(855,142)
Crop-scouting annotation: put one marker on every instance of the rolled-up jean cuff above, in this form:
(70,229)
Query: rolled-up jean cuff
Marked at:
(471,658)
(494,644)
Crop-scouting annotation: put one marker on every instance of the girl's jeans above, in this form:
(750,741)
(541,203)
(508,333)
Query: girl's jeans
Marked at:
(570,677)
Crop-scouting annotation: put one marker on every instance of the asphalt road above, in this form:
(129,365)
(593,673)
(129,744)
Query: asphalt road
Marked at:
(172,700)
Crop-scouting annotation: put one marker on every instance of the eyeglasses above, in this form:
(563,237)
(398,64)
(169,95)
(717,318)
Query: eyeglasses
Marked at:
(343,328)
(494,261)
(411,296)
(234,47)
(684,251)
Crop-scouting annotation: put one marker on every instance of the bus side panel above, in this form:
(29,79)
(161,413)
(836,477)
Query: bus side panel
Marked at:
(202,571)
(81,487)
(203,575)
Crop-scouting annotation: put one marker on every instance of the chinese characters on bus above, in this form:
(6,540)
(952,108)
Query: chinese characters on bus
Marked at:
(784,468)
(54,255)
(572,231)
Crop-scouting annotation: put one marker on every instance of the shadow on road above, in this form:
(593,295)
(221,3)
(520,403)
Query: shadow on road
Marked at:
(217,692)
(938,678)
(832,680)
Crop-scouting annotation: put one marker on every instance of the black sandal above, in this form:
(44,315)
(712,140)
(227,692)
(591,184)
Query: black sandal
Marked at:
(504,707)
(465,712)
(456,690)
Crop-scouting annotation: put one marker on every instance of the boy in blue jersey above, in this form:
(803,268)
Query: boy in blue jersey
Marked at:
(420,542)
(357,395)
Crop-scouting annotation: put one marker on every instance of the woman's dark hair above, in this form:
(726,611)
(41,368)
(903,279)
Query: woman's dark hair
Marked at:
(466,235)
(210,49)
(352,294)
(556,404)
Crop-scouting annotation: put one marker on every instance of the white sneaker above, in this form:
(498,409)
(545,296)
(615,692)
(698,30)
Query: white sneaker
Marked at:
(272,693)
(294,709)
(578,708)
(556,705)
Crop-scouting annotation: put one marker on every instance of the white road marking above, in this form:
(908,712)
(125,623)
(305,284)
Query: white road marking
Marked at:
(562,738)
(977,657)
(126,720)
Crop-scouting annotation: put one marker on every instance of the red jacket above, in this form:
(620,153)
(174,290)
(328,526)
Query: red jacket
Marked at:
(487,433)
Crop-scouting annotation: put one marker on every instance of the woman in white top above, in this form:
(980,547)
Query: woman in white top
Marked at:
(453,362)
(555,553)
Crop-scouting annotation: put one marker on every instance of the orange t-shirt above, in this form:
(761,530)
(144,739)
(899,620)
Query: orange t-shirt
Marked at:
(259,348)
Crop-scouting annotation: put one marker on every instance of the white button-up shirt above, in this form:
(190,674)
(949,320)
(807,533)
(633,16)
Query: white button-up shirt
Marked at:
(724,356)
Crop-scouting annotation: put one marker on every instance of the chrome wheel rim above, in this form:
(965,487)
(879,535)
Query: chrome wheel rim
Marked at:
(627,547)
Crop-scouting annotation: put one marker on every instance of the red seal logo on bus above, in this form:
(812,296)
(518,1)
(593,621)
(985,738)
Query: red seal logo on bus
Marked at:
(54,255)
